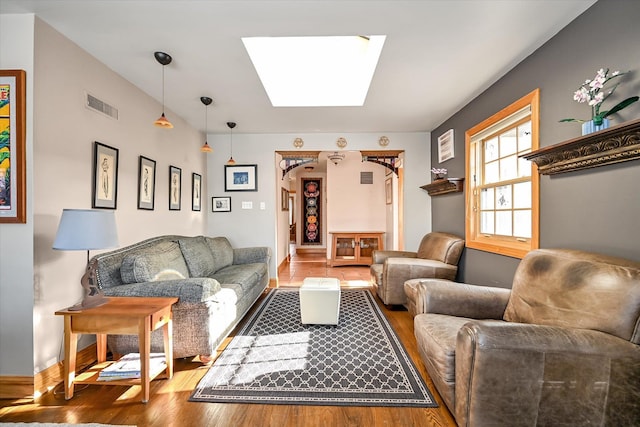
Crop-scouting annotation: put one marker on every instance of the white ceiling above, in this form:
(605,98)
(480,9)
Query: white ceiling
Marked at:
(474,42)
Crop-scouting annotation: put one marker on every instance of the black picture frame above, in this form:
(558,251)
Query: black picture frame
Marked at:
(104,194)
(196,192)
(241,178)
(146,183)
(175,188)
(221,204)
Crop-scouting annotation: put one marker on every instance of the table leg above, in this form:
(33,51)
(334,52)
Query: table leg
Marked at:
(167,331)
(144,340)
(70,352)
(101,344)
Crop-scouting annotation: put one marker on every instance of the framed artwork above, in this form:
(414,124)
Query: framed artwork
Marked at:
(221,204)
(241,178)
(312,211)
(146,183)
(196,192)
(284,199)
(388,190)
(175,188)
(445,146)
(13,175)
(105,177)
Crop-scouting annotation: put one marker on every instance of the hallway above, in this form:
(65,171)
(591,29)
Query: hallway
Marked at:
(315,265)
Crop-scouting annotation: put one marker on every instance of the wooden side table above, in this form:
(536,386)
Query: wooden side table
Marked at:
(120,315)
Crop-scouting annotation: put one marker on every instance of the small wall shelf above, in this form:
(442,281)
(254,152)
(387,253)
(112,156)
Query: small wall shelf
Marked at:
(444,186)
(614,145)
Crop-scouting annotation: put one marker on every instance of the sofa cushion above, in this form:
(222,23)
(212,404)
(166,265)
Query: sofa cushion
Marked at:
(198,256)
(575,289)
(163,261)
(245,275)
(221,250)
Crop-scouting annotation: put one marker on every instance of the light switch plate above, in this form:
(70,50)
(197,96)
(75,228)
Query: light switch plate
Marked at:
(247,205)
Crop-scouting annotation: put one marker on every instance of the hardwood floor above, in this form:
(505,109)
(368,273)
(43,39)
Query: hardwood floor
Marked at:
(169,405)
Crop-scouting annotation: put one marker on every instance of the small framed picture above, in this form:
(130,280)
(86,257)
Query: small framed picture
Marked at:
(284,203)
(196,192)
(146,183)
(388,190)
(221,204)
(445,146)
(105,177)
(241,178)
(175,188)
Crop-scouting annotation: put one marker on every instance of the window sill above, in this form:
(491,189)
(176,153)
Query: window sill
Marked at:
(444,186)
(617,144)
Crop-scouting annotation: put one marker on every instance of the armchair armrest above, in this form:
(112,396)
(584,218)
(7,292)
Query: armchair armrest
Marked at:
(460,299)
(561,371)
(251,255)
(402,269)
(193,290)
(380,256)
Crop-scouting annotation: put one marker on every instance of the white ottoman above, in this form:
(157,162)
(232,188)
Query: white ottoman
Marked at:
(320,301)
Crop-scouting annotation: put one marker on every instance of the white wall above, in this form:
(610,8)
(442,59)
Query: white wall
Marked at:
(36,280)
(16,240)
(257,227)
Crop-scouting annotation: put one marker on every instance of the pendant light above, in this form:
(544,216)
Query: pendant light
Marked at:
(163,59)
(231,126)
(206,101)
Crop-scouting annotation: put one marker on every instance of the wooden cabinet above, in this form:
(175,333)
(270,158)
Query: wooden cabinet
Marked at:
(354,248)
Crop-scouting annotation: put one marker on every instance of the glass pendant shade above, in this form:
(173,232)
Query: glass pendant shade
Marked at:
(206,148)
(162,122)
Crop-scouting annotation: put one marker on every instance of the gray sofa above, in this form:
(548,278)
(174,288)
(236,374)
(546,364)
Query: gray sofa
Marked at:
(216,285)
(560,348)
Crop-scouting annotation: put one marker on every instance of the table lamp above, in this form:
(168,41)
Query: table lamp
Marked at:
(85,230)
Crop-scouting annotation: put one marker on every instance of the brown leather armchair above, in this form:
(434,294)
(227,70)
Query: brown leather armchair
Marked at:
(560,348)
(437,257)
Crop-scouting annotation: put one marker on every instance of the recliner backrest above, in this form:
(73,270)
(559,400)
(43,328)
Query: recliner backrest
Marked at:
(576,289)
(443,247)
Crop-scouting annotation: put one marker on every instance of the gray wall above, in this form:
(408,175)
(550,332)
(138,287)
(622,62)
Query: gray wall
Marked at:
(594,210)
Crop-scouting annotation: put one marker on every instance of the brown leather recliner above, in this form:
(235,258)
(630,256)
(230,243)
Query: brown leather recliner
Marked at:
(437,257)
(560,348)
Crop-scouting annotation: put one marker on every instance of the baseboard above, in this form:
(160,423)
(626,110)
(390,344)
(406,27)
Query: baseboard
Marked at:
(26,387)
(273,282)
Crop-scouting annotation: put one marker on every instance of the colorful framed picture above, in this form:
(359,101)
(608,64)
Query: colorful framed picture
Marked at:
(146,183)
(241,178)
(175,188)
(13,175)
(445,146)
(221,204)
(105,177)
(196,192)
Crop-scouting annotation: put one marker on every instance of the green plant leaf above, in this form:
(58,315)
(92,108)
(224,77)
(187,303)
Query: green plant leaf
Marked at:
(571,120)
(619,106)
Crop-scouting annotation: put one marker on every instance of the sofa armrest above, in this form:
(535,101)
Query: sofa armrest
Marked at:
(460,299)
(540,374)
(379,257)
(251,255)
(193,290)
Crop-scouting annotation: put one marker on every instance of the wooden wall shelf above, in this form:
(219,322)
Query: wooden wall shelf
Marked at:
(617,144)
(444,186)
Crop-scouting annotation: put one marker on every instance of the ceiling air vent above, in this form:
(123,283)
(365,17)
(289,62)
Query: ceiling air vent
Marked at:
(366,177)
(101,107)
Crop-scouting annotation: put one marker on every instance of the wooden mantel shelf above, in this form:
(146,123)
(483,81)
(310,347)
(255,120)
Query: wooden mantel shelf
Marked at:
(613,145)
(444,186)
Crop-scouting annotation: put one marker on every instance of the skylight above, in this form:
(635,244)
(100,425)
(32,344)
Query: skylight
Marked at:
(315,71)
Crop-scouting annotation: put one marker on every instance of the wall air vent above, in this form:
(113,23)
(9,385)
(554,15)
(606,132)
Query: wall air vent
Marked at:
(93,103)
(366,177)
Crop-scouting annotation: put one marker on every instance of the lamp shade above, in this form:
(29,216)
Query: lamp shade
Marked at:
(86,229)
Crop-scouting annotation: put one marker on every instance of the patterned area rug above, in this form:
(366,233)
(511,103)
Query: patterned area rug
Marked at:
(276,359)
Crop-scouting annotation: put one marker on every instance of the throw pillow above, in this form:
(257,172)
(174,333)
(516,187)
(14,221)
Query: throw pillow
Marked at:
(163,261)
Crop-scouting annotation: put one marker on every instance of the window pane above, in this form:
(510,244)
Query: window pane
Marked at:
(522,195)
(491,173)
(503,197)
(491,150)
(503,223)
(508,143)
(486,225)
(509,168)
(524,167)
(522,223)
(524,136)
(486,199)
